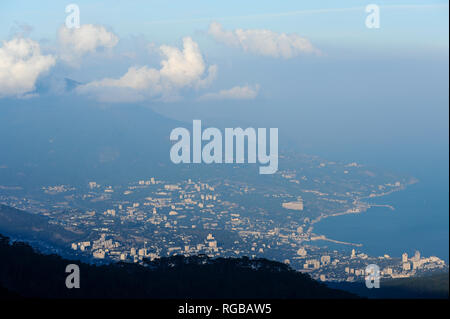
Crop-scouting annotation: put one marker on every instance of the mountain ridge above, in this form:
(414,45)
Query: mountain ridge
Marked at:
(33,275)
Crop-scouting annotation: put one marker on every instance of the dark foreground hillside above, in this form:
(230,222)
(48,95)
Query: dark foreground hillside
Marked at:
(27,273)
(435,286)
(6,294)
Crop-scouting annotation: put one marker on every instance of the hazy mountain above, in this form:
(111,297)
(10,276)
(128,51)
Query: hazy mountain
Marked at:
(35,228)
(70,84)
(70,140)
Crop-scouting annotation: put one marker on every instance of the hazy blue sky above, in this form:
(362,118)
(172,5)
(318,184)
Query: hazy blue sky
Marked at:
(408,29)
(166,21)
(330,79)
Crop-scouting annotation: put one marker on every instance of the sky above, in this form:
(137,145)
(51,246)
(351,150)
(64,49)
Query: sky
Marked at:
(312,68)
(139,28)
(168,21)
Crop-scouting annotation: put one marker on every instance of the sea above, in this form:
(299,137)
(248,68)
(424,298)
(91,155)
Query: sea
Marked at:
(420,220)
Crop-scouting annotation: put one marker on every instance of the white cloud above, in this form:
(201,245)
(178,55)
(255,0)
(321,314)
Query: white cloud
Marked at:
(21,63)
(182,68)
(75,42)
(179,69)
(263,42)
(207,81)
(235,93)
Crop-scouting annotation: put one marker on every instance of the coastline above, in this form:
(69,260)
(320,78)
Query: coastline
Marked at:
(419,223)
(359,207)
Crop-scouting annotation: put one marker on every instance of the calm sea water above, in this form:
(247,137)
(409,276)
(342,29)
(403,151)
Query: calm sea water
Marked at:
(420,220)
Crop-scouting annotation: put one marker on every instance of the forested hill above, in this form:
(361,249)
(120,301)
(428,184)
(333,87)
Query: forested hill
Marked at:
(434,286)
(27,273)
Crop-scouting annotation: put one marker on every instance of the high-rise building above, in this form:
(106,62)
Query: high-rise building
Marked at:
(404,258)
(406,266)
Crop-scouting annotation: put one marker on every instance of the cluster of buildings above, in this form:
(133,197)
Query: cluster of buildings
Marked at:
(183,217)
(108,248)
(353,267)
(152,218)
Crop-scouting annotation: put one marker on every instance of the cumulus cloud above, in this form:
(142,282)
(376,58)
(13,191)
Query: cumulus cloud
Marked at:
(263,42)
(207,81)
(21,63)
(75,42)
(179,69)
(236,93)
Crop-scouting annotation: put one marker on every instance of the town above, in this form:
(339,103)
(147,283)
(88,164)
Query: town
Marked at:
(224,217)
